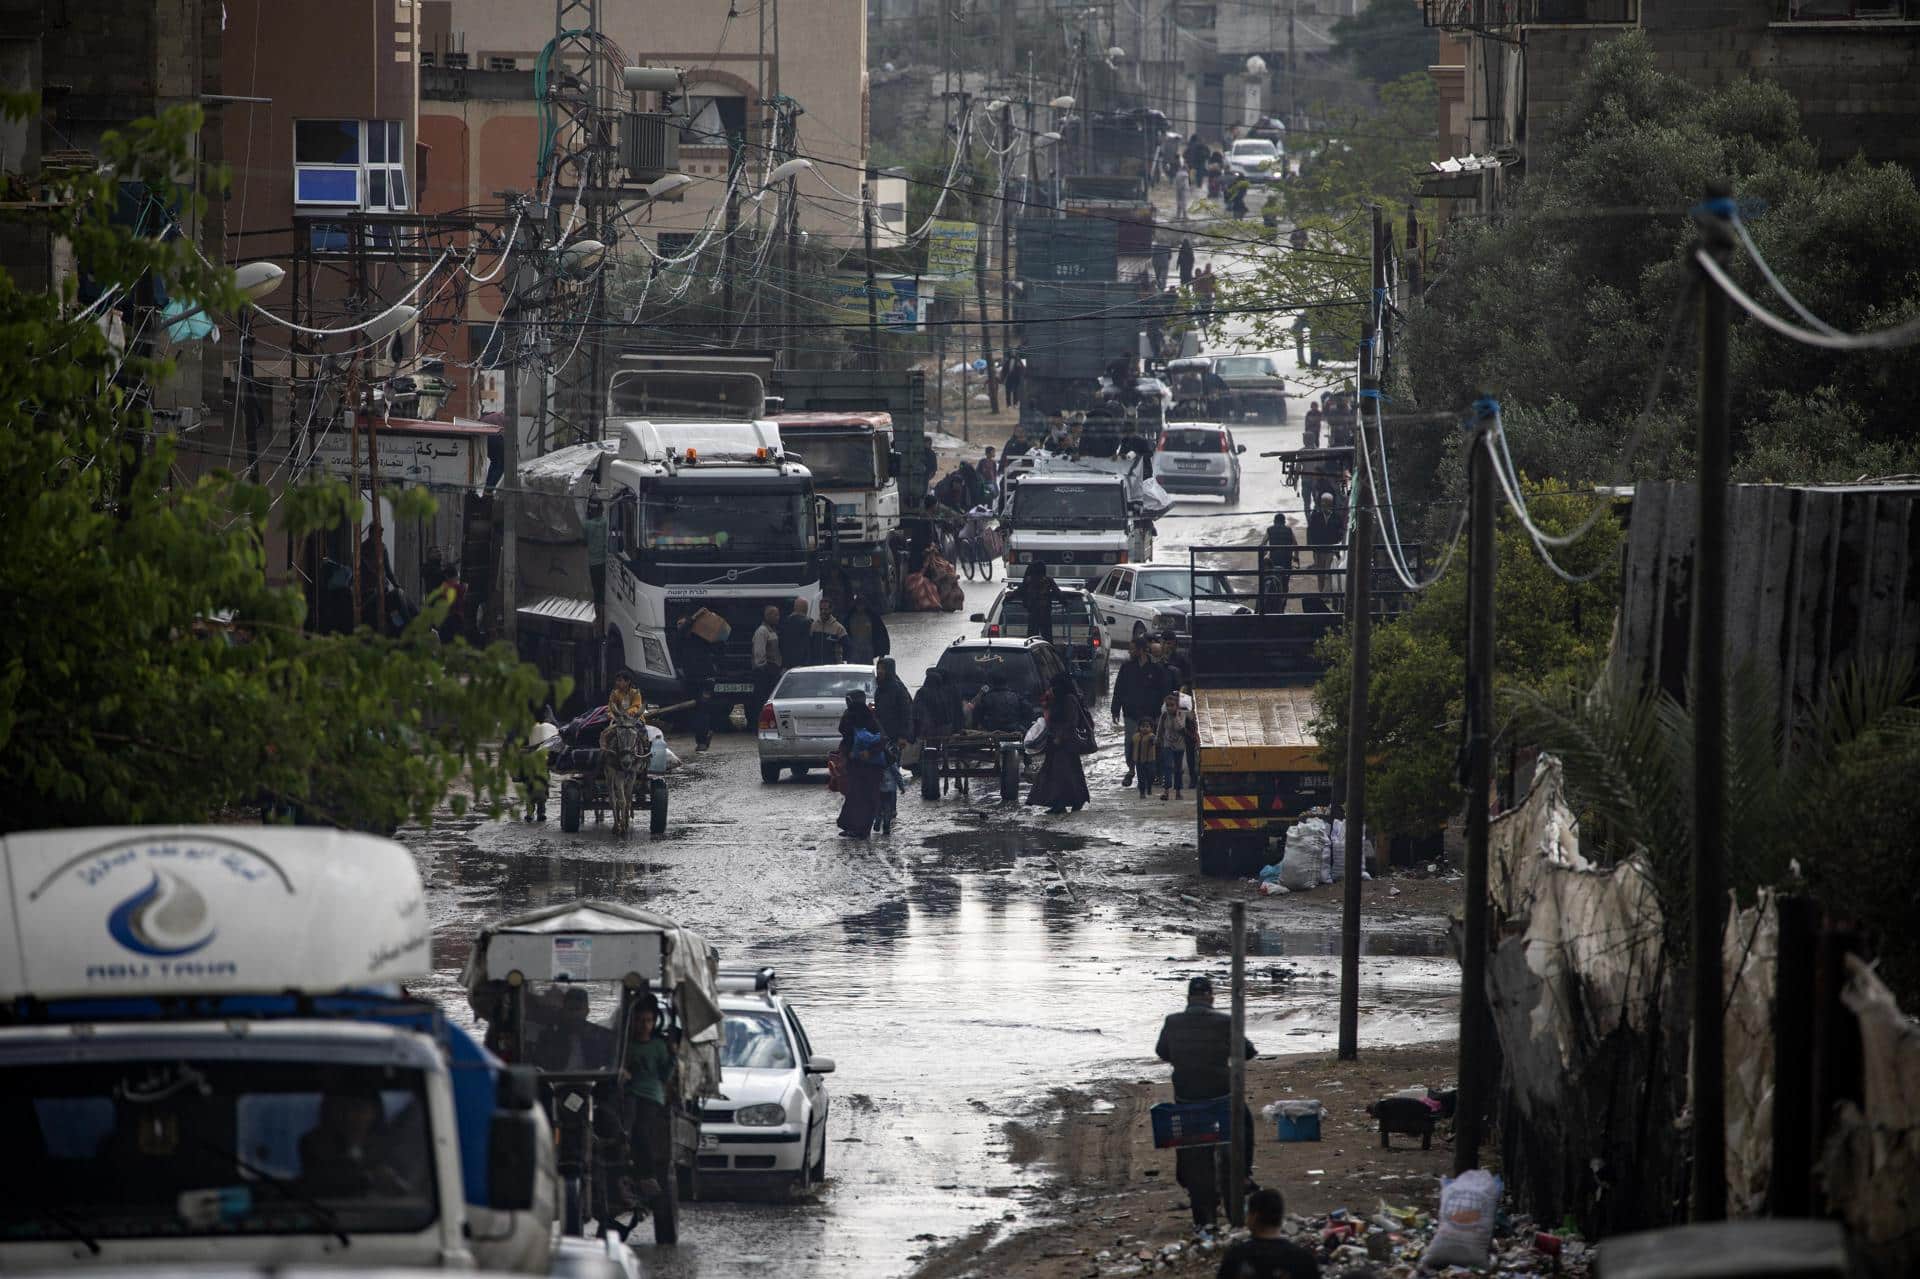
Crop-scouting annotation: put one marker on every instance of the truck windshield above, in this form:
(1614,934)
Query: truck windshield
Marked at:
(1078,504)
(177,1147)
(838,461)
(684,522)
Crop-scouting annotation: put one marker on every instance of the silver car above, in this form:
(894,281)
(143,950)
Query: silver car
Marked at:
(800,724)
(1199,457)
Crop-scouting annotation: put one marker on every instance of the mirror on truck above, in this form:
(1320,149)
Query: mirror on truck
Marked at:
(518,1088)
(513,1159)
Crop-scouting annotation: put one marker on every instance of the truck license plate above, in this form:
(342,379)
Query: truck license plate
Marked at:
(733,688)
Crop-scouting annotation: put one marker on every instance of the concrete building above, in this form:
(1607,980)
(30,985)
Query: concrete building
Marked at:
(1852,65)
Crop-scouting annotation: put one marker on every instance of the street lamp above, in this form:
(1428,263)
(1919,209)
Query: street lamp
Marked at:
(582,256)
(1062,103)
(256,280)
(787,169)
(666,185)
(385,325)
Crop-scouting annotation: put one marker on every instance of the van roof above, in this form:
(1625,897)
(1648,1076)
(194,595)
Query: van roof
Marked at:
(199,910)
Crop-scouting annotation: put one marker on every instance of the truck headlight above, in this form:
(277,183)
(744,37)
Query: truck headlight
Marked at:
(770,1115)
(653,653)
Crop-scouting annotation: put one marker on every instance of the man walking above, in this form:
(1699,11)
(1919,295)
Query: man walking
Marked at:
(1186,262)
(796,636)
(1198,1043)
(892,703)
(698,659)
(1182,190)
(766,659)
(1323,534)
(1138,691)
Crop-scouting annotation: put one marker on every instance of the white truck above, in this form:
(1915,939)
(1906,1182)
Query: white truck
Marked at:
(207,1058)
(1078,521)
(712,515)
(855,466)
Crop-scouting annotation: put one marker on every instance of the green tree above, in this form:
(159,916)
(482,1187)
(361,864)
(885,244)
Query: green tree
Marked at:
(1416,686)
(1386,40)
(1568,303)
(148,672)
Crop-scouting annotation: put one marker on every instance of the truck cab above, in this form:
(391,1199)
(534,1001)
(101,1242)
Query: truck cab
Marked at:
(1078,523)
(207,1058)
(855,467)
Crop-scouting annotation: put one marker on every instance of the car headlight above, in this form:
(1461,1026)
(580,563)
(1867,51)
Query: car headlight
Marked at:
(1166,621)
(770,1115)
(653,654)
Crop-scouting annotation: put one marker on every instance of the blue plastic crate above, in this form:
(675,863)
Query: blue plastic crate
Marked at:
(1191,1123)
(1297,1127)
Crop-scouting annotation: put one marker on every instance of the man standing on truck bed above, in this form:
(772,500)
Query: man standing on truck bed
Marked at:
(1037,592)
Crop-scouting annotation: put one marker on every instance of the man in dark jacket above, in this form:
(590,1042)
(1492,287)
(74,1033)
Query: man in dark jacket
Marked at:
(998,708)
(1138,691)
(891,702)
(1324,533)
(1198,1043)
(1037,592)
(937,712)
(796,636)
(1279,576)
(698,658)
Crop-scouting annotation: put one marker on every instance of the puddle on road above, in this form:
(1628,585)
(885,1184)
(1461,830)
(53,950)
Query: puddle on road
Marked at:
(1324,941)
(999,846)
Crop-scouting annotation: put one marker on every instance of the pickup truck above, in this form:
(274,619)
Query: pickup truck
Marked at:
(208,1059)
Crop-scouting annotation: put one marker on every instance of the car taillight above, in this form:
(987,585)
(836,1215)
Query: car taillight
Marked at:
(1162,445)
(1122,559)
(767,720)
(1096,641)
(993,631)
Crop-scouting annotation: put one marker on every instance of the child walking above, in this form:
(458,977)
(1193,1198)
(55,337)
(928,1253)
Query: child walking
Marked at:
(1143,754)
(1170,735)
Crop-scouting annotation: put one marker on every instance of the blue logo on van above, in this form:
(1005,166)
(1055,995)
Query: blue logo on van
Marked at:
(159,919)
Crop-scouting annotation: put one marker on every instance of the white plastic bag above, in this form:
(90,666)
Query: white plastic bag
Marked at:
(659,758)
(1306,855)
(1036,736)
(1464,1233)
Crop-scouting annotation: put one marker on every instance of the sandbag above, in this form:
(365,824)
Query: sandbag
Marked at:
(922,595)
(1305,858)
(1463,1235)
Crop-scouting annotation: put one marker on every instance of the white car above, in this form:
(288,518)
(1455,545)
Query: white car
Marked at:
(770,1120)
(1199,457)
(1139,601)
(800,724)
(1255,159)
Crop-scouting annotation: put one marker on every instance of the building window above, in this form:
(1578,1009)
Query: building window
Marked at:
(713,120)
(456,62)
(350,163)
(427,58)
(498,63)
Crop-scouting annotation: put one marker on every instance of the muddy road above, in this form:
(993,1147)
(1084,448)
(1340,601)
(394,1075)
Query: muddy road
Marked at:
(956,971)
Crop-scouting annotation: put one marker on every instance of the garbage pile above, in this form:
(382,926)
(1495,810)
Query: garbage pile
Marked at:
(1391,1242)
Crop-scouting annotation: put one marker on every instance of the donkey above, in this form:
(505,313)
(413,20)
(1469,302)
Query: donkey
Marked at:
(623,759)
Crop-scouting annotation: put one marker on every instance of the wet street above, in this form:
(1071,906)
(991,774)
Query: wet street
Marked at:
(957,970)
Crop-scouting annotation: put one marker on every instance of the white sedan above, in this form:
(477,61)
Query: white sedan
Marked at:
(770,1120)
(800,724)
(1138,601)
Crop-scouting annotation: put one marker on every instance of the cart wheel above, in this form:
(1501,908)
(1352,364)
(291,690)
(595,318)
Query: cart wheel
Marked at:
(570,805)
(575,1213)
(666,1211)
(1009,773)
(930,779)
(657,807)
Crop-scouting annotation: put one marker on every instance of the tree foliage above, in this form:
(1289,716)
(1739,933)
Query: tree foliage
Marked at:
(148,671)
(1416,686)
(1563,304)
(1386,40)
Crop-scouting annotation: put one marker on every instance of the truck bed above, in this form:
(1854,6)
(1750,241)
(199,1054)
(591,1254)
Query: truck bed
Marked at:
(1256,730)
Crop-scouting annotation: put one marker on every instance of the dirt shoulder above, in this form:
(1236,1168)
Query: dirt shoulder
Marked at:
(1115,1208)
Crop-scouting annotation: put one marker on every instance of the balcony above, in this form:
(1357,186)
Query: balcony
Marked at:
(1847,11)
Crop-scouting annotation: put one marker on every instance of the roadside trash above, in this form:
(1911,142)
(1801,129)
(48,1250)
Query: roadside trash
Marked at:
(660,759)
(1296,1119)
(1269,889)
(1468,1206)
(1270,872)
(1305,856)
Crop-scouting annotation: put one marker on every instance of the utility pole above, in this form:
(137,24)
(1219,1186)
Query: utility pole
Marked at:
(1293,76)
(735,160)
(1242,1140)
(1006,238)
(1359,629)
(509,508)
(980,260)
(1709,727)
(1475,1073)
(873,303)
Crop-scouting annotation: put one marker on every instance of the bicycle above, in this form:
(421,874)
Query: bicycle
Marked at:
(978,547)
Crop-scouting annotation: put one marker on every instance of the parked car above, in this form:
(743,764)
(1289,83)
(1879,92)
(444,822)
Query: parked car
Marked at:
(1137,601)
(1078,635)
(1030,665)
(1198,457)
(800,724)
(1255,159)
(1256,388)
(770,1122)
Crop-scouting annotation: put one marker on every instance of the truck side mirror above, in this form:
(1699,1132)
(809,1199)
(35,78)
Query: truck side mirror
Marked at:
(517,1089)
(513,1159)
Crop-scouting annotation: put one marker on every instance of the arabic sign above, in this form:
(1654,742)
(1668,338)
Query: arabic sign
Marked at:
(951,247)
(901,300)
(406,457)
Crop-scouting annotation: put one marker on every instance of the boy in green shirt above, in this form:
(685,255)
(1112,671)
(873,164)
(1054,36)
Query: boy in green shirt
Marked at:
(648,1074)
